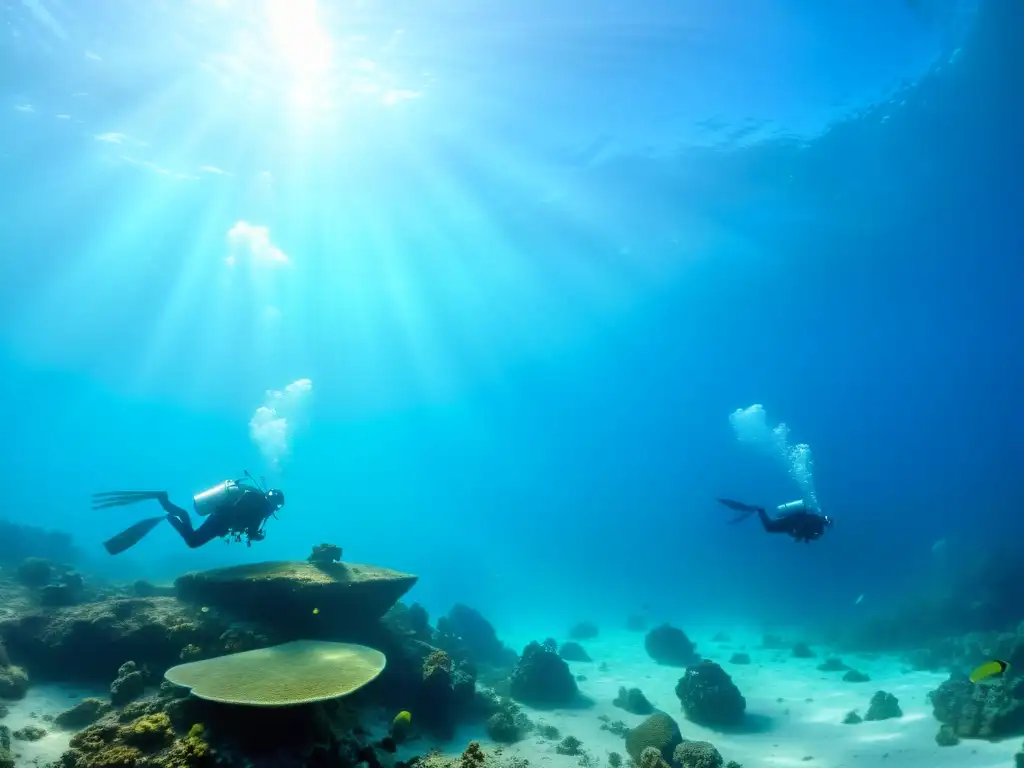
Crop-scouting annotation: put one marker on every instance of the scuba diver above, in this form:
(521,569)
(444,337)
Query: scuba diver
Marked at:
(795,518)
(234,508)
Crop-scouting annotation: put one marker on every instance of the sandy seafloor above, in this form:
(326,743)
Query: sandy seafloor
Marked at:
(43,701)
(795,710)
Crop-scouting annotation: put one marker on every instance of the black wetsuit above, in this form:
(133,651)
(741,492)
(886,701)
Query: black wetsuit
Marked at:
(245,517)
(802,526)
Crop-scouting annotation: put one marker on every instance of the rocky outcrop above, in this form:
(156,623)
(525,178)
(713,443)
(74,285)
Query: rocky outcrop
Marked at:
(709,697)
(91,641)
(542,679)
(466,634)
(978,712)
(299,599)
(670,646)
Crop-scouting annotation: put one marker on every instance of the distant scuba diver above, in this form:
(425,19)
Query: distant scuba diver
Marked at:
(234,508)
(795,518)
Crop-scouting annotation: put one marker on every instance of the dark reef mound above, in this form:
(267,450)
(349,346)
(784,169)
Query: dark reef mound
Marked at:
(18,542)
(670,646)
(573,651)
(466,634)
(659,731)
(91,641)
(709,696)
(980,711)
(542,679)
(301,599)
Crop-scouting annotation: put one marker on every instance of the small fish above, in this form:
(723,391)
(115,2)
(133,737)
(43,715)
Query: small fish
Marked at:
(989,671)
(205,609)
(858,600)
(316,611)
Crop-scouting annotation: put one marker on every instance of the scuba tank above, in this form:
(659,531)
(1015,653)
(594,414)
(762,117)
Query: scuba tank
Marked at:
(221,495)
(793,507)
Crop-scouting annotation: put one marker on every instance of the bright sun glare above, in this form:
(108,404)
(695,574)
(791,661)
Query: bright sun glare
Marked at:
(302,45)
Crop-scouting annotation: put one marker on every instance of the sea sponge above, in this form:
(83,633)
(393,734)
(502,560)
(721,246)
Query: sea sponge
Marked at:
(299,672)
(659,731)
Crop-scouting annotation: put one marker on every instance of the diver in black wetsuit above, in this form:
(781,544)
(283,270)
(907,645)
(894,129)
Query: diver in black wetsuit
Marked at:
(233,509)
(795,519)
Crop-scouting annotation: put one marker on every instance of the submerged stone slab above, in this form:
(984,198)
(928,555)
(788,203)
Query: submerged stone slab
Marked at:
(298,593)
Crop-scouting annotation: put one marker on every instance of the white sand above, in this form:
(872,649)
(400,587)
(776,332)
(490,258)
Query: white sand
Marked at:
(43,701)
(800,711)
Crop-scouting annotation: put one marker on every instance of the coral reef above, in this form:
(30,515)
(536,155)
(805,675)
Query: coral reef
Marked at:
(447,694)
(509,724)
(128,685)
(573,651)
(636,622)
(29,733)
(18,542)
(709,697)
(13,682)
(91,641)
(310,601)
(86,712)
(633,701)
(697,754)
(978,711)
(853,676)
(583,630)
(670,646)
(325,554)
(883,706)
(659,732)
(542,679)
(466,634)
(571,746)
(802,651)
(947,736)
(411,621)
(832,664)
(6,758)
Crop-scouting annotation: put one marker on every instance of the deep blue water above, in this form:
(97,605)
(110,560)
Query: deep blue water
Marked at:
(536,259)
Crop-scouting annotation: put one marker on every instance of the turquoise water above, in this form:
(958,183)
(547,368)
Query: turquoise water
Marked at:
(529,260)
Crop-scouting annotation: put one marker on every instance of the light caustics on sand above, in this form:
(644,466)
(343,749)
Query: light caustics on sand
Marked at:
(751,426)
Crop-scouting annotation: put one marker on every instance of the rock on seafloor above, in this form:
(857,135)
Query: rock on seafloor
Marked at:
(299,594)
(90,641)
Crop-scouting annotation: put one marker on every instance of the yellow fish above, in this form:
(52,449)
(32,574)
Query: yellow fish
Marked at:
(990,669)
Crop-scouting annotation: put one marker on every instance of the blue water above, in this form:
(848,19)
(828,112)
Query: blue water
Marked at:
(530,259)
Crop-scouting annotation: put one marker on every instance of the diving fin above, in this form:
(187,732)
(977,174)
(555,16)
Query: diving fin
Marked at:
(745,510)
(108,499)
(739,506)
(129,537)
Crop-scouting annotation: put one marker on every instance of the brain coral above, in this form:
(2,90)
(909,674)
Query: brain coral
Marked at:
(299,672)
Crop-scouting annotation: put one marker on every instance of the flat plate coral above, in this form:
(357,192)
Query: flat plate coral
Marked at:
(299,672)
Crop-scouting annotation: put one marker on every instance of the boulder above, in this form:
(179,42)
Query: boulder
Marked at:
(299,599)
